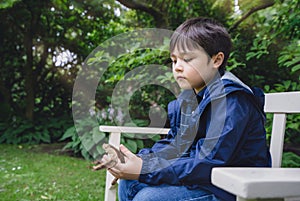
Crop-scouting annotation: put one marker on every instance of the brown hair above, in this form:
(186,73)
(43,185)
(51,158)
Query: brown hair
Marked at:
(203,33)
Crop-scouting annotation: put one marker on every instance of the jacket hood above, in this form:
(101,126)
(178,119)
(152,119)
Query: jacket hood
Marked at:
(231,78)
(232,83)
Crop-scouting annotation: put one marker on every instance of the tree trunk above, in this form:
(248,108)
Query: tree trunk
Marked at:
(29,80)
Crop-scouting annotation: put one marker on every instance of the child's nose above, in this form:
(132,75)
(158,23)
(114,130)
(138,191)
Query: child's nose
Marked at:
(178,66)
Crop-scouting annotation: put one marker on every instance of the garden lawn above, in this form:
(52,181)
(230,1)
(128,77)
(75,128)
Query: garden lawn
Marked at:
(27,173)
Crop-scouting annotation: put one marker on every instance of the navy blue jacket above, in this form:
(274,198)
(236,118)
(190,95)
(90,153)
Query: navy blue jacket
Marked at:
(221,126)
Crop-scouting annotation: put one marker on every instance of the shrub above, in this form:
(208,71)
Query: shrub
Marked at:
(43,130)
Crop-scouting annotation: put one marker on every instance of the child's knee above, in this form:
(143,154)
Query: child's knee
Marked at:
(129,188)
(145,195)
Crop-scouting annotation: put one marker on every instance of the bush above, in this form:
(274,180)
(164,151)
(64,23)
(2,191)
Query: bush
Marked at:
(43,130)
(87,144)
(290,159)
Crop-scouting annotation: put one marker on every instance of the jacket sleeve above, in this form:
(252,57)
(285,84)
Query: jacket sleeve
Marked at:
(225,135)
(174,118)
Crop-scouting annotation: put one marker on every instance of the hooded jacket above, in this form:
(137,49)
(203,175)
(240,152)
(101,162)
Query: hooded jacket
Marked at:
(221,126)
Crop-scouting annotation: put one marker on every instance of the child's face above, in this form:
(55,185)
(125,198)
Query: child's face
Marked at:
(192,68)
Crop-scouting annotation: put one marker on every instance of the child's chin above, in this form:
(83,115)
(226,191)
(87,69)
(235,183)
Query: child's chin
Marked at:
(185,87)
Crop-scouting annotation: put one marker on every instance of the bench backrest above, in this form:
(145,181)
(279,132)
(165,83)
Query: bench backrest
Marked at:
(280,104)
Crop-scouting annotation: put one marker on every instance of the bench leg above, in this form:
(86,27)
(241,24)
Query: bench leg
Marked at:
(110,191)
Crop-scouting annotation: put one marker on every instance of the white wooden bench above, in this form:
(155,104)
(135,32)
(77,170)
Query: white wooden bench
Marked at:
(247,183)
(276,183)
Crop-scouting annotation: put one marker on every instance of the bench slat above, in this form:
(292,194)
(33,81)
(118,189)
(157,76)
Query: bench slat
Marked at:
(128,129)
(277,139)
(282,102)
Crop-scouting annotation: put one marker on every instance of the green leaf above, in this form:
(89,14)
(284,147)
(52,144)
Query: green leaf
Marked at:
(140,144)
(292,62)
(155,137)
(290,160)
(131,145)
(296,68)
(76,146)
(45,137)
(68,134)
(129,135)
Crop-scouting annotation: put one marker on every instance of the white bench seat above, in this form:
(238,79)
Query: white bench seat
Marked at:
(254,183)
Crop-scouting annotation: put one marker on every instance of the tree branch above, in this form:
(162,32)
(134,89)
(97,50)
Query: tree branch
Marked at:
(159,17)
(250,12)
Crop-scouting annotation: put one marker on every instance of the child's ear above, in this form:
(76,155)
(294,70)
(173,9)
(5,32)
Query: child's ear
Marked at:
(218,59)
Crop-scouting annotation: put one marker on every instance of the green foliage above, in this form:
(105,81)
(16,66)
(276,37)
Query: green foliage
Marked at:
(267,43)
(290,159)
(234,60)
(286,85)
(43,44)
(179,12)
(278,29)
(290,57)
(224,8)
(7,3)
(20,131)
(85,139)
(144,97)
(258,49)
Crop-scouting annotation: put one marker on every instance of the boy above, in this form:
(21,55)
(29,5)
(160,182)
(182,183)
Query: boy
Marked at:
(217,121)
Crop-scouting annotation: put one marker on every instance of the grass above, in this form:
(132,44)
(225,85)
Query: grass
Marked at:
(29,173)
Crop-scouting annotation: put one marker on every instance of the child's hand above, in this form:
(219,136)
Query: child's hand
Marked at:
(130,169)
(110,159)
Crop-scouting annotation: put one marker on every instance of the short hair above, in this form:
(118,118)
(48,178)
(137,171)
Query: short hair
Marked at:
(206,33)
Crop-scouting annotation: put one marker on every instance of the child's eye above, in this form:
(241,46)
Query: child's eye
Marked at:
(187,60)
(174,61)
